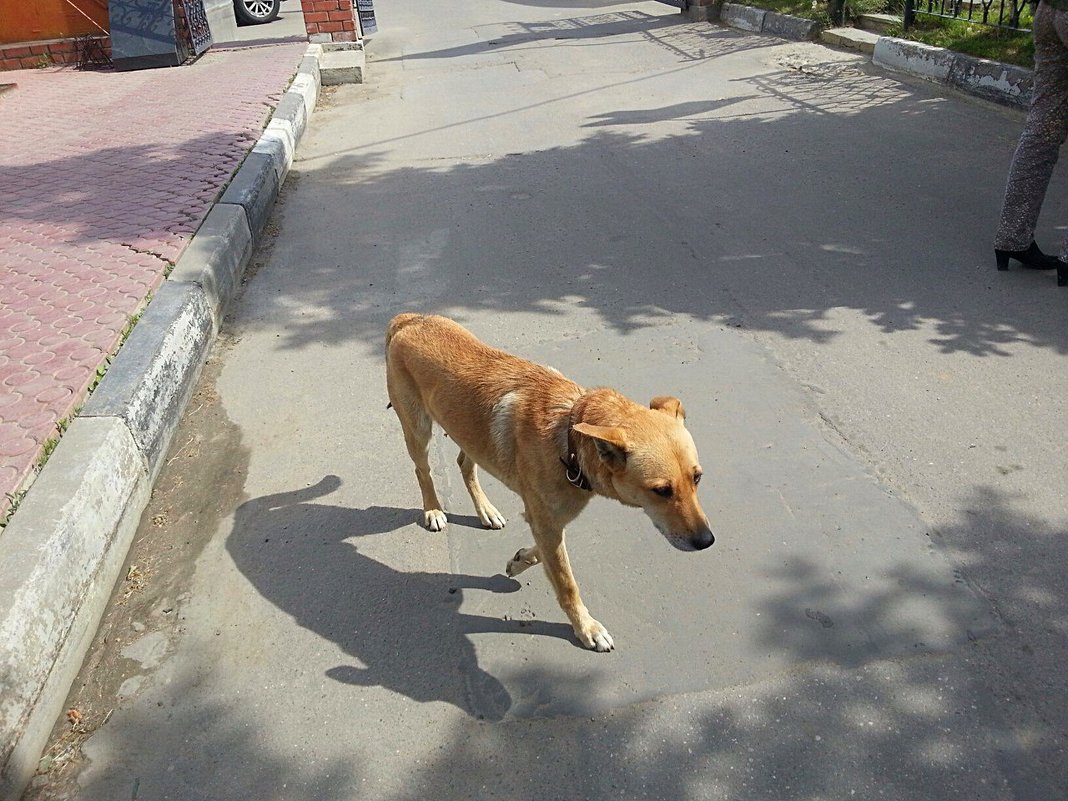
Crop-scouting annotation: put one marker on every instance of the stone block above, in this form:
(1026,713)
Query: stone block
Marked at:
(255,188)
(217,256)
(925,61)
(292,109)
(745,18)
(342,66)
(850,38)
(1002,83)
(788,27)
(152,377)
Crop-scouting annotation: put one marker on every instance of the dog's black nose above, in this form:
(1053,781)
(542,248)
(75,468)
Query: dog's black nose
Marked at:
(702,539)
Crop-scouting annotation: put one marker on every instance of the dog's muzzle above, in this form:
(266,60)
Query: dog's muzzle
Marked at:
(702,539)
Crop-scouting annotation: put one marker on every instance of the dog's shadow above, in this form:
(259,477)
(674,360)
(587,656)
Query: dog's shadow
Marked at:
(404,627)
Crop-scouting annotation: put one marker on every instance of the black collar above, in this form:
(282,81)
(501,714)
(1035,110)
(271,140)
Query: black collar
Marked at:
(572,468)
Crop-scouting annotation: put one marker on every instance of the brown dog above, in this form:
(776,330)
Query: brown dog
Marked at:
(545,437)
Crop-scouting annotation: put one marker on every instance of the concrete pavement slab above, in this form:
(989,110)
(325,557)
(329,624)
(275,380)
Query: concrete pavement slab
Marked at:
(851,38)
(835,567)
(342,66)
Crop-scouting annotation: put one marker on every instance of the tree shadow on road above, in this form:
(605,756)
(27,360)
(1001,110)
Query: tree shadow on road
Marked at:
(689,43)
(774,204)
(931,725)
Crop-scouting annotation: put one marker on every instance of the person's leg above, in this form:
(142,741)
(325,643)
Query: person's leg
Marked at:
(1044,132)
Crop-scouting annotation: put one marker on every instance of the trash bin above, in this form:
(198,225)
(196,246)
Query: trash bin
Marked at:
(157,33)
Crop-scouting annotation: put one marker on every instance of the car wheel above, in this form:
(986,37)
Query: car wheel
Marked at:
(254,12)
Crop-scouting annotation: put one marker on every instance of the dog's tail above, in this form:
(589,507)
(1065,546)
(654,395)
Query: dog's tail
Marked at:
(399,322)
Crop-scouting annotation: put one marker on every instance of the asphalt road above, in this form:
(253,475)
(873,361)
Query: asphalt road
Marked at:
(796,245)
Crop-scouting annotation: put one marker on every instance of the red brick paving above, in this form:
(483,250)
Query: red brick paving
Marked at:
(104,179)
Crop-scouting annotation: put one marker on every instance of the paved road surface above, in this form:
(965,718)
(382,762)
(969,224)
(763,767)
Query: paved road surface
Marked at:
(793,243)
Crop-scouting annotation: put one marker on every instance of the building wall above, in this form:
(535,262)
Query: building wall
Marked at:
(40,20)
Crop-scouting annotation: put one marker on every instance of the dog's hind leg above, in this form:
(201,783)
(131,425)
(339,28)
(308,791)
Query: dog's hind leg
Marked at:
(524,558)
(418,427)
(486,511)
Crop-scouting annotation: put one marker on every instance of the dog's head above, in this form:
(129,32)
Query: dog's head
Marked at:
(652,463)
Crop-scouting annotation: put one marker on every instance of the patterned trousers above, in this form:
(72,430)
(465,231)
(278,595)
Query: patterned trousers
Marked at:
(1044,132)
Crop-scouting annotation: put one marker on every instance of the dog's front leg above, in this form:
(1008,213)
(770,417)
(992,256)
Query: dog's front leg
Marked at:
(553,555)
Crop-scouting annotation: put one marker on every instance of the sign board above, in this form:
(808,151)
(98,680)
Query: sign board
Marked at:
(366,10)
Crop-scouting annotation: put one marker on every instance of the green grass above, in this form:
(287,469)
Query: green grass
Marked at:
(821,10)
(805,9)
(51,443)
(13,499)
(982,41)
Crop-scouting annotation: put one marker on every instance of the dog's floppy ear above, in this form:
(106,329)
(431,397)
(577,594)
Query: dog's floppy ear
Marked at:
(668,405)
(611,443)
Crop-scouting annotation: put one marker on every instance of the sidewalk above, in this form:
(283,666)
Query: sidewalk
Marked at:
(107,176)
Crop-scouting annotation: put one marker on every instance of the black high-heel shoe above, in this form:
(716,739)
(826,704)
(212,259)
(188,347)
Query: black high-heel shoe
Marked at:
(1032,258)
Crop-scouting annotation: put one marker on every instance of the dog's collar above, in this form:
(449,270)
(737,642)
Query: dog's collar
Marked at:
(572,468)
(573,473)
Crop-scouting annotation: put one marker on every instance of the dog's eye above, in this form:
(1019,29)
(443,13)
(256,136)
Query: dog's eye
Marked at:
(663,492)
(697,478)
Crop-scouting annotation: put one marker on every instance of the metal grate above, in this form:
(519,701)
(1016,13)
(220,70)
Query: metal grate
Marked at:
(91,52)
(197,20)
(194,35)
(992,13)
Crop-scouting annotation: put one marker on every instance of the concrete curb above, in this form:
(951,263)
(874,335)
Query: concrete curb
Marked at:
(744,18)
(254,187)
(64,548)
(153,376)
(757,20)
(1003,83)
(850,39)
(921,60)
(62,554)
(343,65)
(787,27)
(216,256)
(991,80)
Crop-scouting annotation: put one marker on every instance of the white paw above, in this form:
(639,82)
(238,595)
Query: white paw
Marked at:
(491,518)
(518,563)
(435,520)
(596,637)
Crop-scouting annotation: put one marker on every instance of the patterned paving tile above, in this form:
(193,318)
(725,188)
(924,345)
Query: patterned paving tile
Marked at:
(106,176)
